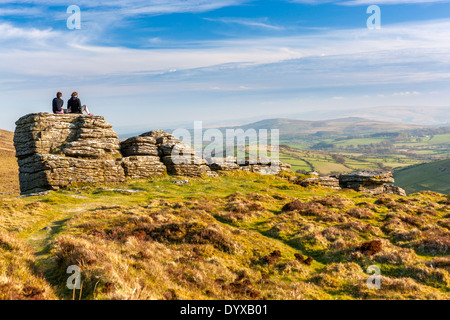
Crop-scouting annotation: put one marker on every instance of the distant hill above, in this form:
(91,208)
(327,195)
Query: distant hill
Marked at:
(434,176)
(8,164)
(344,126)
(436,116)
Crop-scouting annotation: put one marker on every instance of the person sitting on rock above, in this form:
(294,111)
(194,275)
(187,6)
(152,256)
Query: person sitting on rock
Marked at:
(74,105)
(58,104)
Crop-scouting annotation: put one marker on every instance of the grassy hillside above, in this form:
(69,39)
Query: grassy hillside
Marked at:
(346,126)
(8,164)
(433,176)
(239,236)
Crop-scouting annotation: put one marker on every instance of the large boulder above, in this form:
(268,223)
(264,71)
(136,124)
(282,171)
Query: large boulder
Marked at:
(69,135)
(139,146)
(55,151)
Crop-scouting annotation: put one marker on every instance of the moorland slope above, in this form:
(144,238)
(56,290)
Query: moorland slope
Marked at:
(239,236)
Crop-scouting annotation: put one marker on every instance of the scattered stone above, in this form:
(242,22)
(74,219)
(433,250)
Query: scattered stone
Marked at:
(46,229)
(123,190)
(77,196)
(35,194)
(180,182)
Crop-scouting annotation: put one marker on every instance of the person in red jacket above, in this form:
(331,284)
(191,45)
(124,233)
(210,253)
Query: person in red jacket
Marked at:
(74,105)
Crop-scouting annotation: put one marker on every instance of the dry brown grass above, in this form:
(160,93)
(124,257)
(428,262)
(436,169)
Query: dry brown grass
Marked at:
(9,170)
(19,279)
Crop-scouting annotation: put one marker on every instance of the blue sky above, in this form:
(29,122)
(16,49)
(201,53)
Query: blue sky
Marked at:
(153,64)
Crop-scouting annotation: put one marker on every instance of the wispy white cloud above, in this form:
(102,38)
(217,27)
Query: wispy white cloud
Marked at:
(258,23)
(407,93)
(132,7)
(387,2)
(23,11)
(366,2)
(9,32)
(402,43)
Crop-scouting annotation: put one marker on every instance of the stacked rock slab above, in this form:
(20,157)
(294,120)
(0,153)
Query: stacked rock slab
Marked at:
(54,151)
(141,157)
(374,182)
(267,166)
(178,158)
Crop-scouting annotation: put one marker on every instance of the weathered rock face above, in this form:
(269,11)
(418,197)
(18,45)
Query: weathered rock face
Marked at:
(141,167)
(178,157)
(49,172)
(363,181)
(66,135)
(139,146)
(55,151)
(371,182)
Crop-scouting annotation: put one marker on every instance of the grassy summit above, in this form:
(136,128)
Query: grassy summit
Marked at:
(239,236)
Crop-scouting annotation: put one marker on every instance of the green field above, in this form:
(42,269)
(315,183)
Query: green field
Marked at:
(361,153)
(433,176)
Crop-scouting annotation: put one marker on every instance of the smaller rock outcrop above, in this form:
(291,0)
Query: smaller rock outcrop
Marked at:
(374,182)
(262,166)
(326,182)
(177,157)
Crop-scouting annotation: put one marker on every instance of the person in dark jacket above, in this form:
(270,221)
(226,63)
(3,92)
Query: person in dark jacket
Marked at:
(58,104)
(74,105)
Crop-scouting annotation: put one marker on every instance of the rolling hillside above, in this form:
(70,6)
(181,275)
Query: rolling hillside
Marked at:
(8,164)
(434,176)
(346,126)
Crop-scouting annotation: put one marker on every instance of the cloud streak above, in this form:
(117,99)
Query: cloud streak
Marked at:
(258,23)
